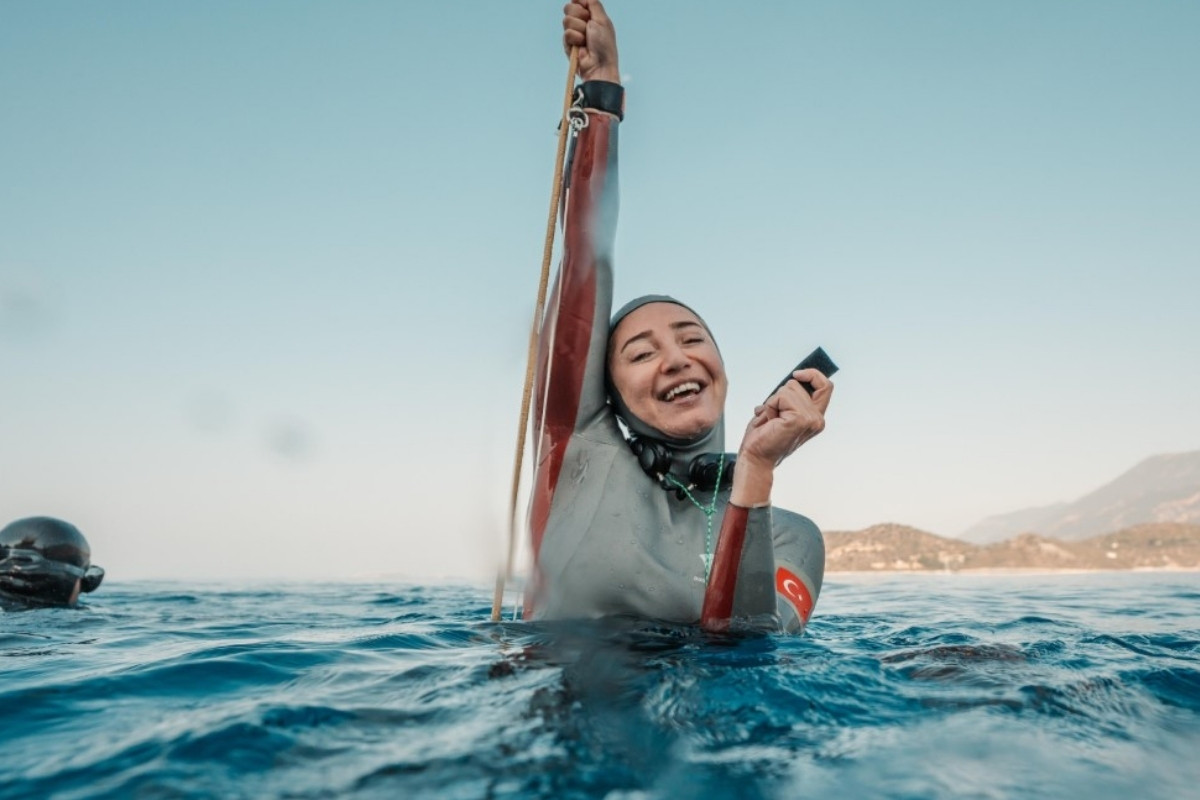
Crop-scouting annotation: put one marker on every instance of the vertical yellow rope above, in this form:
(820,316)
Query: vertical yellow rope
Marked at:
(547,251)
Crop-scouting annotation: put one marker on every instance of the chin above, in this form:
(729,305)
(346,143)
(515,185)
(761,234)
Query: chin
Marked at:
(689,430)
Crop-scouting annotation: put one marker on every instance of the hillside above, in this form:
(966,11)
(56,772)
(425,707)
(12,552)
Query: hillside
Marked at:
(890,547)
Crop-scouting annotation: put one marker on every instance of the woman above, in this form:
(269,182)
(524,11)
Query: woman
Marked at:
(630,526)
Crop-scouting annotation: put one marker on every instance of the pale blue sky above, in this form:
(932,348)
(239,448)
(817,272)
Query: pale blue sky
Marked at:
(266,267)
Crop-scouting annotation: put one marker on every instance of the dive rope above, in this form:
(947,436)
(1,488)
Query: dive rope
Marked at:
(555,196)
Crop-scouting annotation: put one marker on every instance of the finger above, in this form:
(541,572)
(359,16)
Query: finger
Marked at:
(803,387)
(823,395)
(763,413)
(574,27)
(805,421)
(813,377)
(598,12)
(573,39)
(822,387)
(795,395)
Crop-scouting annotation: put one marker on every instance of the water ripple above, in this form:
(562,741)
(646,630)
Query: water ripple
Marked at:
(1076,686)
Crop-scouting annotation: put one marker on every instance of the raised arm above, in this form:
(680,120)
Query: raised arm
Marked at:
(573,338)
(755,571)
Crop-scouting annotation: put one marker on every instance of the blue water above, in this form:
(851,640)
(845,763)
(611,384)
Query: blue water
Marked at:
(1057,686)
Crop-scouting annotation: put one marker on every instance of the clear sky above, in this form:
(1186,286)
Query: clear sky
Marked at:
(266,268)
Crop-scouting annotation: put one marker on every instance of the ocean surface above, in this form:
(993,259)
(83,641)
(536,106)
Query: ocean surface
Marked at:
(1022,686)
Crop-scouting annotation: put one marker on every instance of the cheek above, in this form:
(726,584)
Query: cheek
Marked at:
(717,399)
(716,368)
(626,381)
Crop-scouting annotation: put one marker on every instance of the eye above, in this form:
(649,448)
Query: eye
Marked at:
(640,356)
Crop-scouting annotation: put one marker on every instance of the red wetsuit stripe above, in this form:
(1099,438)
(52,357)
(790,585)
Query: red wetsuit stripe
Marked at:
(718,596)
(571,320)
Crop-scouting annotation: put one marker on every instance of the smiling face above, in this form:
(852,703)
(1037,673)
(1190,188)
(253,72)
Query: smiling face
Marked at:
(667,369)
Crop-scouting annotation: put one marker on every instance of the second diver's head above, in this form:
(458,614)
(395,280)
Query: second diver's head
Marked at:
(45,561)
(666,376)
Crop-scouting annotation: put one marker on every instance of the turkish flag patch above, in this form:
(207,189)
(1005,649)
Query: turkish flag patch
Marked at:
(791,587)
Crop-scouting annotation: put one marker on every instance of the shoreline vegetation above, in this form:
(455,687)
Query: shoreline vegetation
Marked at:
(983,572)
(893,548)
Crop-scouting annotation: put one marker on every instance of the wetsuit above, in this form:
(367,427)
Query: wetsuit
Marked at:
(607,539)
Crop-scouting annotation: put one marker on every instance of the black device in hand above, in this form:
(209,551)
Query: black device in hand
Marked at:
(819,360)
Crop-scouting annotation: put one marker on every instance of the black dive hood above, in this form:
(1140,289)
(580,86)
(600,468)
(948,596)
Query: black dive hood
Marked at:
(43,560)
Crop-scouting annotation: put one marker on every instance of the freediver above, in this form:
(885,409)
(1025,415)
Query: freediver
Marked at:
(45,562)
(629,523)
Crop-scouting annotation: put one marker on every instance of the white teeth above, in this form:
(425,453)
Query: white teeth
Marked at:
(690,386)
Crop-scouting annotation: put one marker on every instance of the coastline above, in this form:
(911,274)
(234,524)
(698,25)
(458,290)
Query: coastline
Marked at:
(984,571)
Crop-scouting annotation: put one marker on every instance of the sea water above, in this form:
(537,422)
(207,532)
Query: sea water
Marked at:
(1042,686)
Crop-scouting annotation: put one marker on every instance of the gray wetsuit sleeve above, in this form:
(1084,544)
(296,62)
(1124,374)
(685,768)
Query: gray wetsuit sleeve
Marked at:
(768,570)
(799,568)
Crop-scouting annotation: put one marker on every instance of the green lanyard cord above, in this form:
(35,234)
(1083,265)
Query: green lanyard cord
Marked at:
(707,512)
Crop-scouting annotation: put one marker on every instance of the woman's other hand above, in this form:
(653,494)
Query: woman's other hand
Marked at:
(587,26)
(788,419)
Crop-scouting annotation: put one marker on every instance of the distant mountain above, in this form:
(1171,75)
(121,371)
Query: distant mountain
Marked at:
(1003,526)
(1164,488)
(898,548)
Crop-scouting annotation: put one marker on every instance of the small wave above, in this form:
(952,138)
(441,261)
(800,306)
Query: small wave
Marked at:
(1177,686)
(366,691)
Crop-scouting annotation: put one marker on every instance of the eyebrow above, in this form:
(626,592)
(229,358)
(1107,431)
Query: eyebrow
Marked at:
(675,326)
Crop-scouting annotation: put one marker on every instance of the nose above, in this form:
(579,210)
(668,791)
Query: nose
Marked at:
(673,358)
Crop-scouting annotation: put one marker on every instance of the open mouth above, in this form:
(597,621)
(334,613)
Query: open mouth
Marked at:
(681,392)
